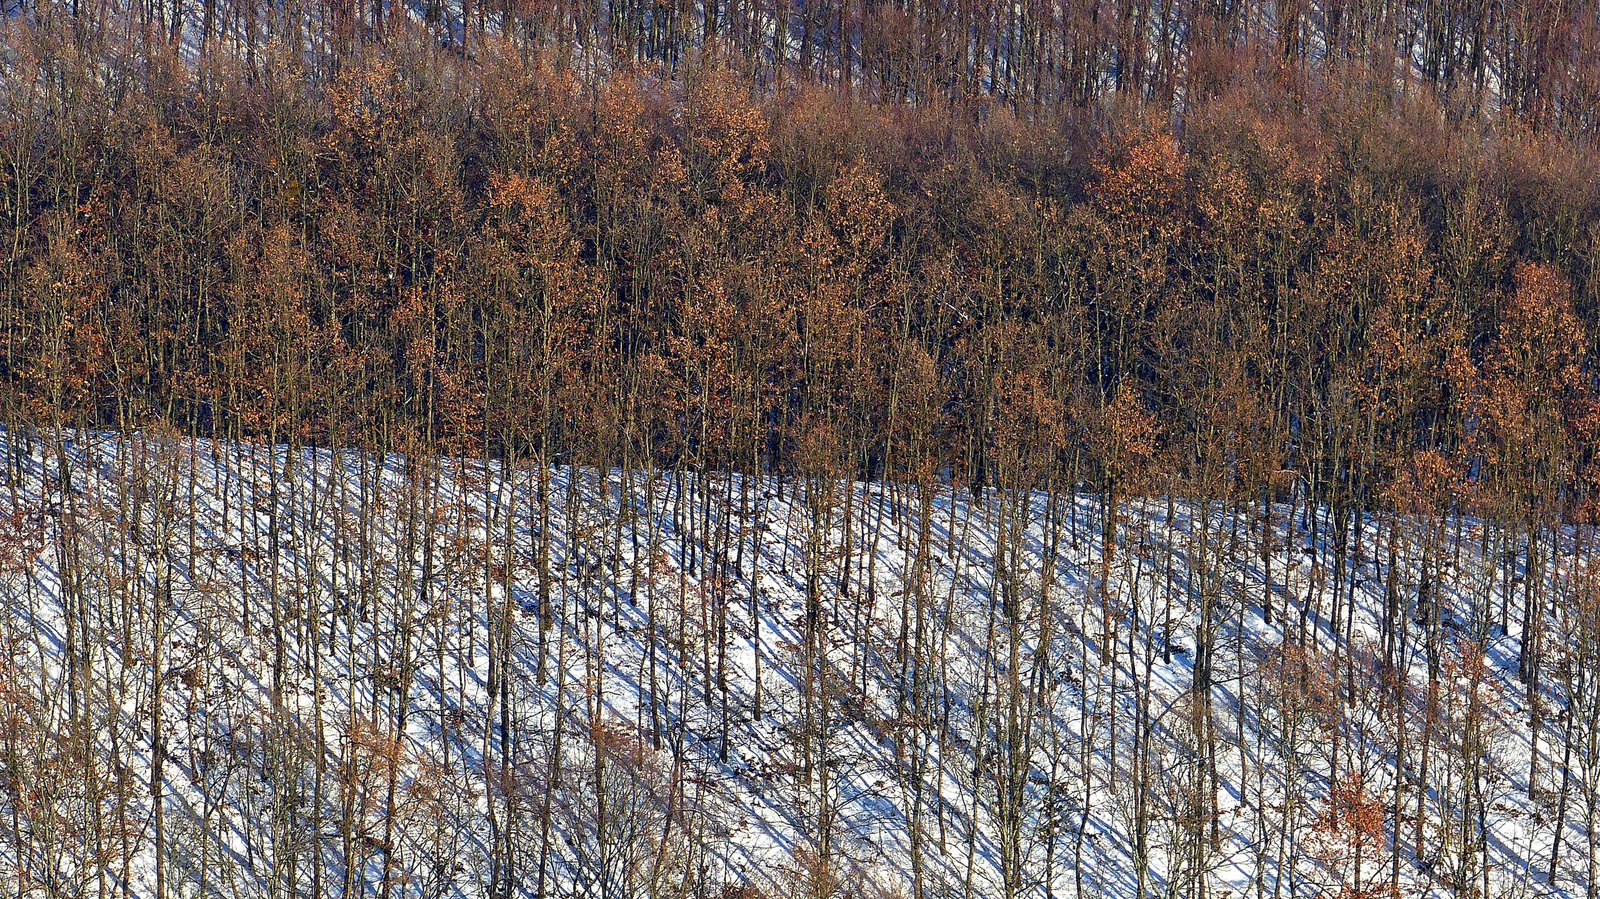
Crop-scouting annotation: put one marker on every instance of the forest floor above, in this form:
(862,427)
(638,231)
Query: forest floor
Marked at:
(394,680)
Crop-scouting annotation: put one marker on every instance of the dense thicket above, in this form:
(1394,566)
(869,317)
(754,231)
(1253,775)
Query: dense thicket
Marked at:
(1308,277)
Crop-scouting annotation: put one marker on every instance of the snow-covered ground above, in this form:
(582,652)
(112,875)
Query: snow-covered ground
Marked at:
(442,678)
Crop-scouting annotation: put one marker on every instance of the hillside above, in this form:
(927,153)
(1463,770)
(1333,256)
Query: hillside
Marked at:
(237,671)
(799,450)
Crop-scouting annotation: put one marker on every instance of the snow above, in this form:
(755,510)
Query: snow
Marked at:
(390,582)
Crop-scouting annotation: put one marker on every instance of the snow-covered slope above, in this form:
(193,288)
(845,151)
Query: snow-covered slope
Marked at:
(441,678)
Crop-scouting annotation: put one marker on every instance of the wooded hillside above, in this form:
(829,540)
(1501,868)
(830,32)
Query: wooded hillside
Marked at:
(1339,259)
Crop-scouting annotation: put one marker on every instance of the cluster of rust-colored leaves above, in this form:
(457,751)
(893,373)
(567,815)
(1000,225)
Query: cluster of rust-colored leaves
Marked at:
(501,254)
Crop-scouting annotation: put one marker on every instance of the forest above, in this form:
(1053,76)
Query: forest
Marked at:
(816,448)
